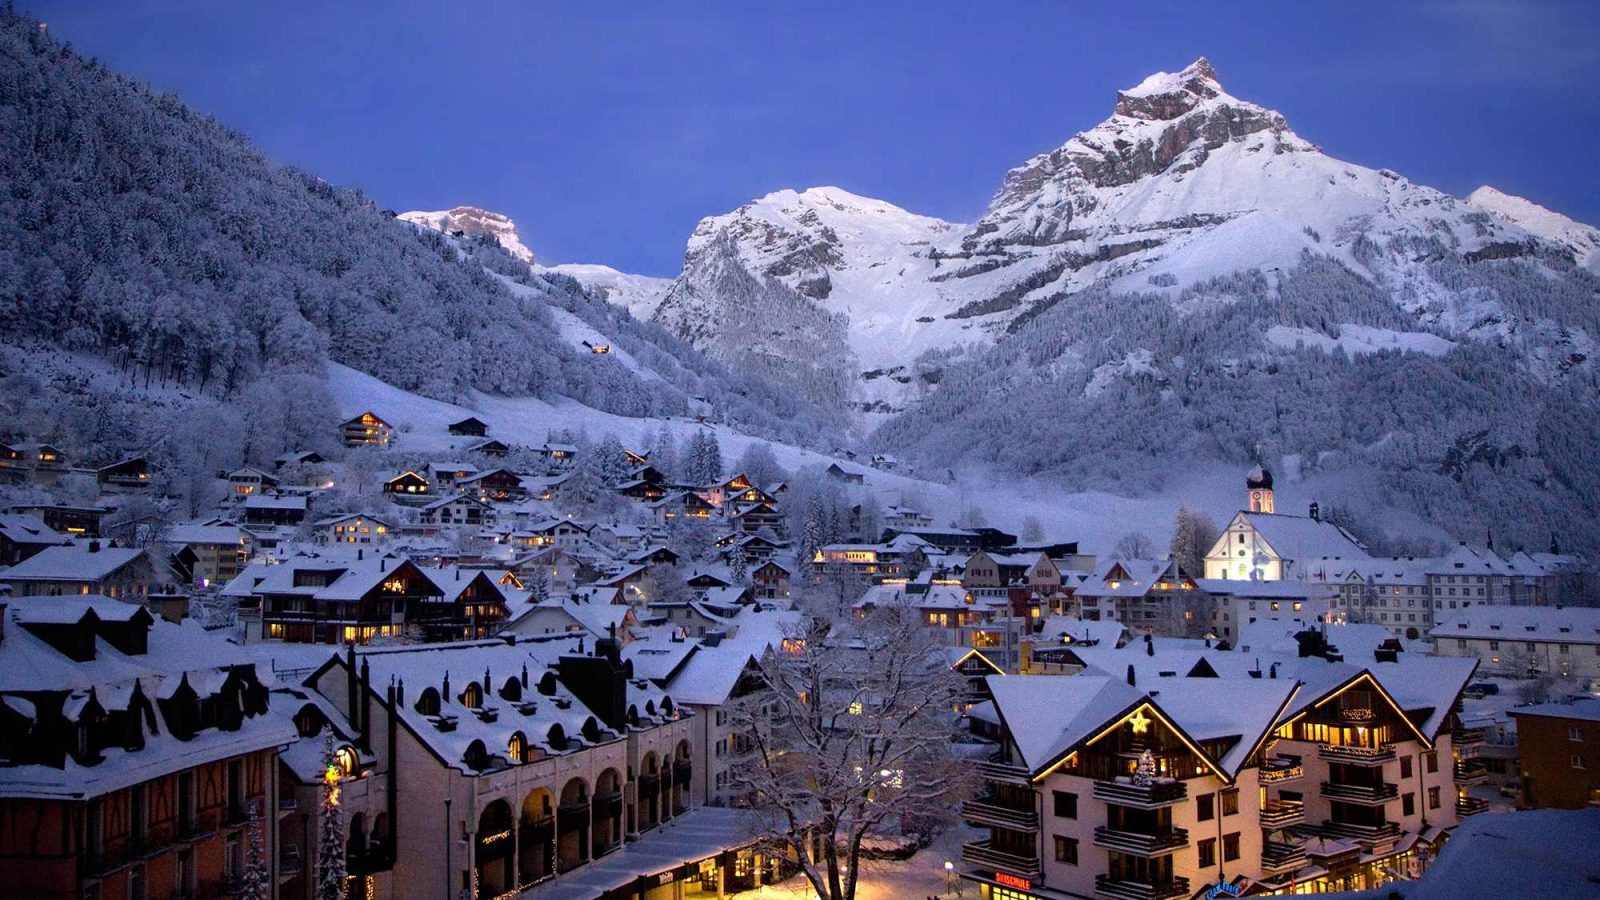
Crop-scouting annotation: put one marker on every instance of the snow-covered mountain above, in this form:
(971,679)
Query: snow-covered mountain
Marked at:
(1583,240)
(638,294)
(1184,182)
(473,221)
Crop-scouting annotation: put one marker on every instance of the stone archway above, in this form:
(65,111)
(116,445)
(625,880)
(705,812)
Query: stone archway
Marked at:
(649,792)
(572,826)
(536,838)
(496,839)
(607,830)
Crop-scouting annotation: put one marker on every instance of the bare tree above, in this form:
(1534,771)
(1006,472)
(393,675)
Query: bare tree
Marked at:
(859,745)
(1135,545)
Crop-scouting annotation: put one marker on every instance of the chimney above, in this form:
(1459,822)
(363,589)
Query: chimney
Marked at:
(360,554)
(94,546)
(1316,512)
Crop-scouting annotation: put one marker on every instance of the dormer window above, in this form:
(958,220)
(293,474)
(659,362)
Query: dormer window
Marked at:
(517,749)
(428,702)
(472,697)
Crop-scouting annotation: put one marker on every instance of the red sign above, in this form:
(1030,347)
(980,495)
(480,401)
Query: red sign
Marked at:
(1021,884)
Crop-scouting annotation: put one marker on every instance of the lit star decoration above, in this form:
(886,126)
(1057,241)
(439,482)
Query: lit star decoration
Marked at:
(1140,722)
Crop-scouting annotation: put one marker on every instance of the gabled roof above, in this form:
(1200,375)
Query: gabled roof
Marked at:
(25,528)
(72,562)
(1559,624)
(1301,538)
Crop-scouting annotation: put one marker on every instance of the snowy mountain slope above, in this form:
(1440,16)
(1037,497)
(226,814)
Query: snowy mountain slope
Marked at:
(472,221)
(1183,183)
(1583,240)
(638,294)
(827,258)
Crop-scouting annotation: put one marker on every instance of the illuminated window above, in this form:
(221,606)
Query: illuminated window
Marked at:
(347,761)
(518,748)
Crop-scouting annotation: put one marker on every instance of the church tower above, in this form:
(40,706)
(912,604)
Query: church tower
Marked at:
(1258,485)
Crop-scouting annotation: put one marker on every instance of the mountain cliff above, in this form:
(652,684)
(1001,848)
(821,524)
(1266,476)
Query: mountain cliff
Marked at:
(471,221)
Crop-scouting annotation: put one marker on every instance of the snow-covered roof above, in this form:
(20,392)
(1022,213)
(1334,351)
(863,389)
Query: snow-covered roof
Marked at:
(275,501)
(1539,854)
(25,528)
(1300,538)
(73,562)
(1584,708)
(201,533)
(1046,715)
(1559,624)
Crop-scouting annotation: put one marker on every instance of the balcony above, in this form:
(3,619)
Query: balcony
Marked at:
(1368,834)
(1004,773)
(1466,737)
(1281,768)
(990,812)
(981,855)
(1126,889)
(1282,813)
(1281,856)
(1471,772)
(1355,756)
(1470,806)
(1138,844)
(1365,794)
(1154,795)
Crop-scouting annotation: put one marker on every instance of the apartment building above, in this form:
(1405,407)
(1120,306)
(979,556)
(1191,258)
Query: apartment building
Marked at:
(1170,767)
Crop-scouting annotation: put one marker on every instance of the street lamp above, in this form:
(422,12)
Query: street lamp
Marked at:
(949,876)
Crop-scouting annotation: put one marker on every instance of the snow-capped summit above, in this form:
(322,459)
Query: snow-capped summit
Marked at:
(473,221)
(1584,240)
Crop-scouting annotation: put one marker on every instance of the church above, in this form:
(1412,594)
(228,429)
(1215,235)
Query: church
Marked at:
(1261,544)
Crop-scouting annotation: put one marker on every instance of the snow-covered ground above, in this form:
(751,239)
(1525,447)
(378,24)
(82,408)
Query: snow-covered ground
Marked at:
(1359,339)
(1097,520)
(921,876)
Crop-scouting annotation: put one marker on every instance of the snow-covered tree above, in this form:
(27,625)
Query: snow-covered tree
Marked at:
(1193,533)
(1032,531)
(860,745)
(256,883)
(330,828)
(611,463)
(758,464)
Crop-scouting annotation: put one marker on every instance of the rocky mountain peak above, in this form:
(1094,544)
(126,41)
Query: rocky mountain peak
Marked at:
(1167,95)
(474,221)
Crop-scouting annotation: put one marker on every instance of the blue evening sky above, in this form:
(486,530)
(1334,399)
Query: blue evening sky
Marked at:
(608,130)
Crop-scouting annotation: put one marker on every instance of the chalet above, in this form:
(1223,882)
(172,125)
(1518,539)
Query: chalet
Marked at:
(635,458)
(754,548)
(495,484)
(128,475)
(577,614)
(770,580)
(353,528)
(490,447)
(246,481)
(905,518)
(12,465)
(275,509)
(639,489)
(559,454)
(846,475)
(22,535)
(563,533)
(366,430)
(544,487)
(406,484)
(1148,596)
(122,573)
(450,473)
(994,572)
(682,504)
(655,555)
(705,578)
(138,775)
(758,517)
(204,554)
(471,426)
(42,457)
(339,599)
(475,597)
(76,521)
(463,510)
(552,565)
(298,458)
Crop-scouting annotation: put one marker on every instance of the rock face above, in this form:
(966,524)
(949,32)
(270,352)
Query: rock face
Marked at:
(1181,184)
(472,221)
(1583,240)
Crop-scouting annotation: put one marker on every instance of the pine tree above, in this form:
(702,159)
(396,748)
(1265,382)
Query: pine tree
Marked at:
(330,831)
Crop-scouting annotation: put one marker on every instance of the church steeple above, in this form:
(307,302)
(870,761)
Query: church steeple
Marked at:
(1258,490)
